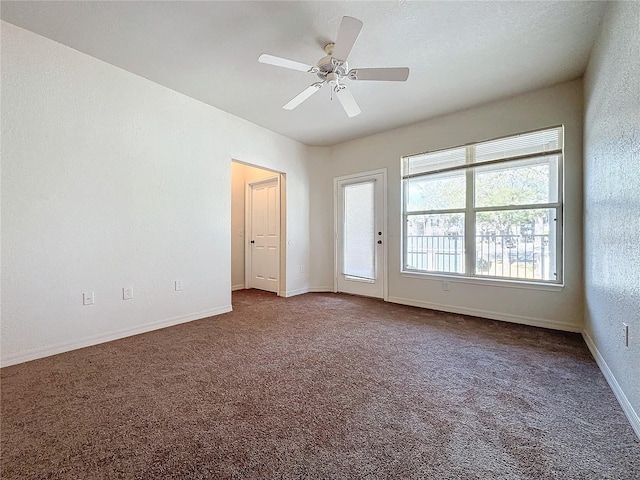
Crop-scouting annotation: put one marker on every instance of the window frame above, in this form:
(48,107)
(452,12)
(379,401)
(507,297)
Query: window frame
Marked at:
(470,211)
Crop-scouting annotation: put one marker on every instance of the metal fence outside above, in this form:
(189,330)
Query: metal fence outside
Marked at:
(510,256)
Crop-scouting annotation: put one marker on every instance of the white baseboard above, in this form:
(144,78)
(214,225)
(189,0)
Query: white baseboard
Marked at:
(293,293)
(506,317)
(321,290)
(49,350)
(237,287)
(628,410)
(300,291)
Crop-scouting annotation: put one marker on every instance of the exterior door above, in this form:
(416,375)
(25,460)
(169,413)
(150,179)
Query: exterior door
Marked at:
(263,207)
(360,234)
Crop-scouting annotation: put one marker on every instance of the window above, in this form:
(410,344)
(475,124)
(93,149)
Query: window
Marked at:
(491,209)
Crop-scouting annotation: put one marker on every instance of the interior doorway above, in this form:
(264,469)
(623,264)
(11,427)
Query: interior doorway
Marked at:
(262,223)
(257,215)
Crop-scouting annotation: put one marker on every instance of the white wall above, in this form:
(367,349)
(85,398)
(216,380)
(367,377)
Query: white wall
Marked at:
(321,221)
(554,307)
(612,202)
(111,181)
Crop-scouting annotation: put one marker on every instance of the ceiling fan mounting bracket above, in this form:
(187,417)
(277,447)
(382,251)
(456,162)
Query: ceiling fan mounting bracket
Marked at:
(339,87)
(339,66)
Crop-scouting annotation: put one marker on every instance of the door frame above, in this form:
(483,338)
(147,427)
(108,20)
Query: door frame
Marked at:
(385,224)
(247,228)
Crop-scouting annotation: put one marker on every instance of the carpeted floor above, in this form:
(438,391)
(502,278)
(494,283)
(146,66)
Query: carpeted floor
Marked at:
(319,386)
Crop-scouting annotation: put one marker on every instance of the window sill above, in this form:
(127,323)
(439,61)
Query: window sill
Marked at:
(486,282)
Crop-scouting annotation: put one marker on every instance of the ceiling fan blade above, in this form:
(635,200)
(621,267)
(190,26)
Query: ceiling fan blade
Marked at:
(395,74)
(283,62)
(348,102)
(303,95)
(347,34)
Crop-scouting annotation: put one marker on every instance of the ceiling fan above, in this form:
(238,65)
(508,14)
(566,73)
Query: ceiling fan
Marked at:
(333,69)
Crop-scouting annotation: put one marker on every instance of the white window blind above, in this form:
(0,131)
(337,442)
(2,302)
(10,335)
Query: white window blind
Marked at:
(359,230)
(531,144)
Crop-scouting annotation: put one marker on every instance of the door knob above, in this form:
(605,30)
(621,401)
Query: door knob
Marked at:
(253,241)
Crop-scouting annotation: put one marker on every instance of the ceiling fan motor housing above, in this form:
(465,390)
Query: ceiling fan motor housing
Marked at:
(328,64)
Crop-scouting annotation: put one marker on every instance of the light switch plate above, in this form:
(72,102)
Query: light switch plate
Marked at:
(88,298)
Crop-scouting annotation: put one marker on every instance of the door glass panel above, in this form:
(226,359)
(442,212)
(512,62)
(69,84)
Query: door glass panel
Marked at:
(359,231)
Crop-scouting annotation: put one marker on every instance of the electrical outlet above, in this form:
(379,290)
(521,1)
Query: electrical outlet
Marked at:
(178,285)
(87,298)
(445,286)
(625,328)
(301,268)
(127,293)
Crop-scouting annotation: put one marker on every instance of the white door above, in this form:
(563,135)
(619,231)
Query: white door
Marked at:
(360,234)
(263,209)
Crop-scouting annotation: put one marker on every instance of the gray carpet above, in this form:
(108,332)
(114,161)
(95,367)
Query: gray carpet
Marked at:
(319,386)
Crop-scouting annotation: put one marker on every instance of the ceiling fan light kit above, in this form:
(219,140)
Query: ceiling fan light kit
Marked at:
(334,70)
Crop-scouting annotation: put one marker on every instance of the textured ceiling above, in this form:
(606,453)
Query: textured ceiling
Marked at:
(460,53)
